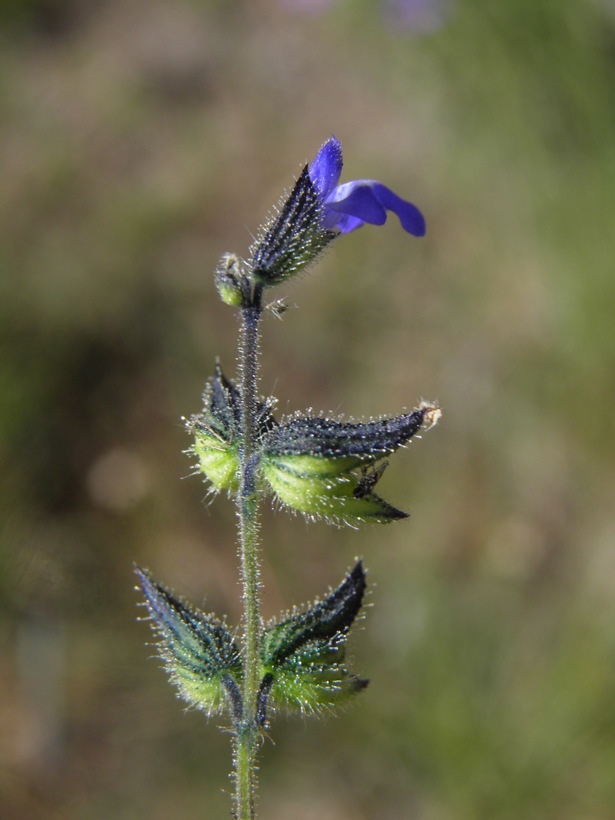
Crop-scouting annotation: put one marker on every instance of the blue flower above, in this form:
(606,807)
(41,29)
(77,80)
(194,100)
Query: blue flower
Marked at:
(352,204)
(307,219)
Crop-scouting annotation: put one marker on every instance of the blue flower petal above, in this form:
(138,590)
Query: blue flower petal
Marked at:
(357,199)
(412,220)
(326,168)
(366,200)
(343,222)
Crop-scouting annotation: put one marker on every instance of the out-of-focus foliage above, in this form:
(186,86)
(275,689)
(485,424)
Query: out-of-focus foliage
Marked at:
(137,139)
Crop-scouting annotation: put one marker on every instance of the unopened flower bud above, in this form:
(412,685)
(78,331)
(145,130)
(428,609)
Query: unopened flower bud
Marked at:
(228,280)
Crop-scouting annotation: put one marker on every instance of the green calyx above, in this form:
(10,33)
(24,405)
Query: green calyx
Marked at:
(337,497)
(218,458)
(328,468)
(293,238)
(217,431)
(320,467)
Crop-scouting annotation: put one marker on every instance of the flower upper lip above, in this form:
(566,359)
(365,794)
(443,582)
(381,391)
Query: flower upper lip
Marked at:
(326,168)
(352,204)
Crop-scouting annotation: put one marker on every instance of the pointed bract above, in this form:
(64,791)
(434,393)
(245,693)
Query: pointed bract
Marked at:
(199,652)
(303,656)
(330,439)
(217,431)
(338,499)
(321,467)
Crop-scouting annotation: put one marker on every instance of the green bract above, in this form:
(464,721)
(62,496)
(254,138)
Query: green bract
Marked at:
(328,468)
(303,655)
(217,431)
(339,497)
(199,652)
(316,466)
(218,458)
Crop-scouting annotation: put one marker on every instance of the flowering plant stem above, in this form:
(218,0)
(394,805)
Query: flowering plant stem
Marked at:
(321,467)
(246,728)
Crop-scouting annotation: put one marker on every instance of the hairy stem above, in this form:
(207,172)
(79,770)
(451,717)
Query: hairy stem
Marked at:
(247,731)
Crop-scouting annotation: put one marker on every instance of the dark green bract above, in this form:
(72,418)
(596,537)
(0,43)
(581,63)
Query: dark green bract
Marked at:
(304,654)
(322,468)
(198,650)
(302,657)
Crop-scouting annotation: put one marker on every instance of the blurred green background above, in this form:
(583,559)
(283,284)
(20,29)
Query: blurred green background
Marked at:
(139,140)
